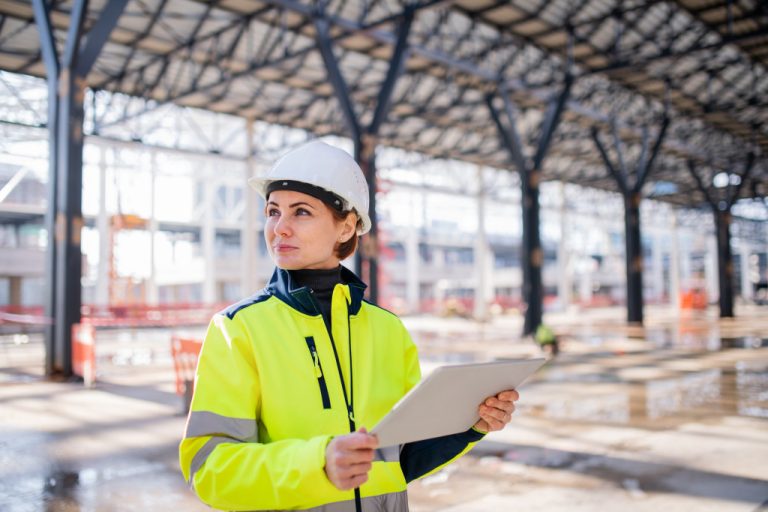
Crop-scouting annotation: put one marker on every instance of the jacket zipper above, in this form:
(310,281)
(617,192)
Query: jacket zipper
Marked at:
(319,372)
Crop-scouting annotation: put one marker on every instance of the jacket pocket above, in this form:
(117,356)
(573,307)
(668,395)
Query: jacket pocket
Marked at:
(318,372)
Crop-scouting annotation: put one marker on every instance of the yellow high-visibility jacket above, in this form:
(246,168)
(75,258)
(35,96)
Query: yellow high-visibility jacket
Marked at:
(269,396)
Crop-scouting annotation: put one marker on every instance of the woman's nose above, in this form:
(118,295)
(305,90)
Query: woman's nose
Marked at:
(282,227)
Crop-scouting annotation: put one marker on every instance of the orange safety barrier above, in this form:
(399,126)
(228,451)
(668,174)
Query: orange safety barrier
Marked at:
(693,299)
(83,352)
(185,352)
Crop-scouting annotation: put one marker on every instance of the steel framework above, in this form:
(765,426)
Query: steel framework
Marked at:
(427,75)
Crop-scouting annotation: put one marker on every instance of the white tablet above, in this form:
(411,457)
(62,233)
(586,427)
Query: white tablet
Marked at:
(446,401)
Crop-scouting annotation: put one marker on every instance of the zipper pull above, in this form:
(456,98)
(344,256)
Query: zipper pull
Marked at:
(316,360)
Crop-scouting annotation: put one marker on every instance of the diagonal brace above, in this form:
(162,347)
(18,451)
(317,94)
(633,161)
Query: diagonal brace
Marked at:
(551,121)
(616,173)
(509,135)
(322,27)
(396,66)
(645,167)
(47,44)
(98,35)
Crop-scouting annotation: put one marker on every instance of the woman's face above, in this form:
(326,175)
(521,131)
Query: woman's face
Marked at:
(302,233)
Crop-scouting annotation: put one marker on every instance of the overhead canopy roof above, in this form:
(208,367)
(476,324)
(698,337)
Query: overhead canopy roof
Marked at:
(705,59)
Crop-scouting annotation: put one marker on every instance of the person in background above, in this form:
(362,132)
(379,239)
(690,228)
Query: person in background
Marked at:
(289,378)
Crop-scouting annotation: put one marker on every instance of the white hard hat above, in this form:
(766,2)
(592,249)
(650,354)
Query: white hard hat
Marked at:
(324,166)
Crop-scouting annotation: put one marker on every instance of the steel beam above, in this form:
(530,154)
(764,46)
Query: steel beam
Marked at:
(97,36)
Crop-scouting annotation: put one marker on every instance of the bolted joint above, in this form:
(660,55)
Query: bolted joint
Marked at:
(537,257)
(637,265)
(369,246)
(534,178)
(368,142)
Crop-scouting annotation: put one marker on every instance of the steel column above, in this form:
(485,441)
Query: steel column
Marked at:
(530,177)
(66,86)
(632,193)
(364,140)
(51,60)
(724,261)
(634,256)
(721,208)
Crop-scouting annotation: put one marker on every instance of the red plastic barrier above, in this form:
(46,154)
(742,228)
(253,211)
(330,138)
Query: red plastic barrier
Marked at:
(83,352)
(185,352)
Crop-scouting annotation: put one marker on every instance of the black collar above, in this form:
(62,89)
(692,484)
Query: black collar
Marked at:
(284,287)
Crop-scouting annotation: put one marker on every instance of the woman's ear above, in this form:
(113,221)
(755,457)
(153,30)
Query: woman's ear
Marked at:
(350,225)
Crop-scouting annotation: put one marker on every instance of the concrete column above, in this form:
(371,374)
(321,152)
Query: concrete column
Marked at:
(481,253)
(746,282)
(208,236)
(153,296)
(674,265)
(710,269)
(657,257)
(684,246)
(585,283)
(248,277)
(104,227)
(564,277)
(14,290)
(412,283)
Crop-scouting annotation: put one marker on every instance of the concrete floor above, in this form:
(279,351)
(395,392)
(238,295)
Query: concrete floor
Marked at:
(669,417)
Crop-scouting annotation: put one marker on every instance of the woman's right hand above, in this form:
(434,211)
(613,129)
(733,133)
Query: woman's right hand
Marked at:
(349,458)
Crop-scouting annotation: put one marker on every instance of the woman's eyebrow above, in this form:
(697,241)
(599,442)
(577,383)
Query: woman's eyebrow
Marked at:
(294,205)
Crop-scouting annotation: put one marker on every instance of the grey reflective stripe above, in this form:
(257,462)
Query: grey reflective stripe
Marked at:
(205,423)
(388,454)
(202,454)
(392,502)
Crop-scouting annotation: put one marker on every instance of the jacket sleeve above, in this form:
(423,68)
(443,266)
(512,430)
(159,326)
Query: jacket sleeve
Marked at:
(221,456)
(420,458)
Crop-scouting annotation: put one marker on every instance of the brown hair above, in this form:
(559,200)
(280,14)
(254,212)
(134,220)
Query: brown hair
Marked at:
(345,249)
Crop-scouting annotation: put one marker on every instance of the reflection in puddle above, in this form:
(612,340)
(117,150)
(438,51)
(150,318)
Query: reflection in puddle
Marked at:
(609,409)
(63,490)
(752,387)
(669,396)
(722,392)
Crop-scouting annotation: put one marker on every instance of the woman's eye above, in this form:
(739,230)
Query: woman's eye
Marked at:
(272,212)
(302,211)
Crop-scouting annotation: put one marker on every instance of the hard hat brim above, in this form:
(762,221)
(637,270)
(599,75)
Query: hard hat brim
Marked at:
(260,184)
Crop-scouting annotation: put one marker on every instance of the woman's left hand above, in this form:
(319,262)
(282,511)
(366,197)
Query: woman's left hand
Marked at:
(496,411)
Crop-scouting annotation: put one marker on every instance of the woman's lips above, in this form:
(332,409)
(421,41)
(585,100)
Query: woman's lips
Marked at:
(284,248)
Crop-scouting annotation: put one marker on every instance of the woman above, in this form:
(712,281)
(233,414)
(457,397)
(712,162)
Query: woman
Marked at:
(289,378)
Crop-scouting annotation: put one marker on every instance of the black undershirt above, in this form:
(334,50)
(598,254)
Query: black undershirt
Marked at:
(322,283)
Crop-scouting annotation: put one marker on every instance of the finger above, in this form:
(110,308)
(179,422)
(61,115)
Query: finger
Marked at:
(349,457)
(507,406)
(510,395)
(494,414)
(357,481)
(358,440)
(355,470)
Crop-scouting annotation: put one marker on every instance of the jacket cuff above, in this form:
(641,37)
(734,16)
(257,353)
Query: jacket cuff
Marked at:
(473,435)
